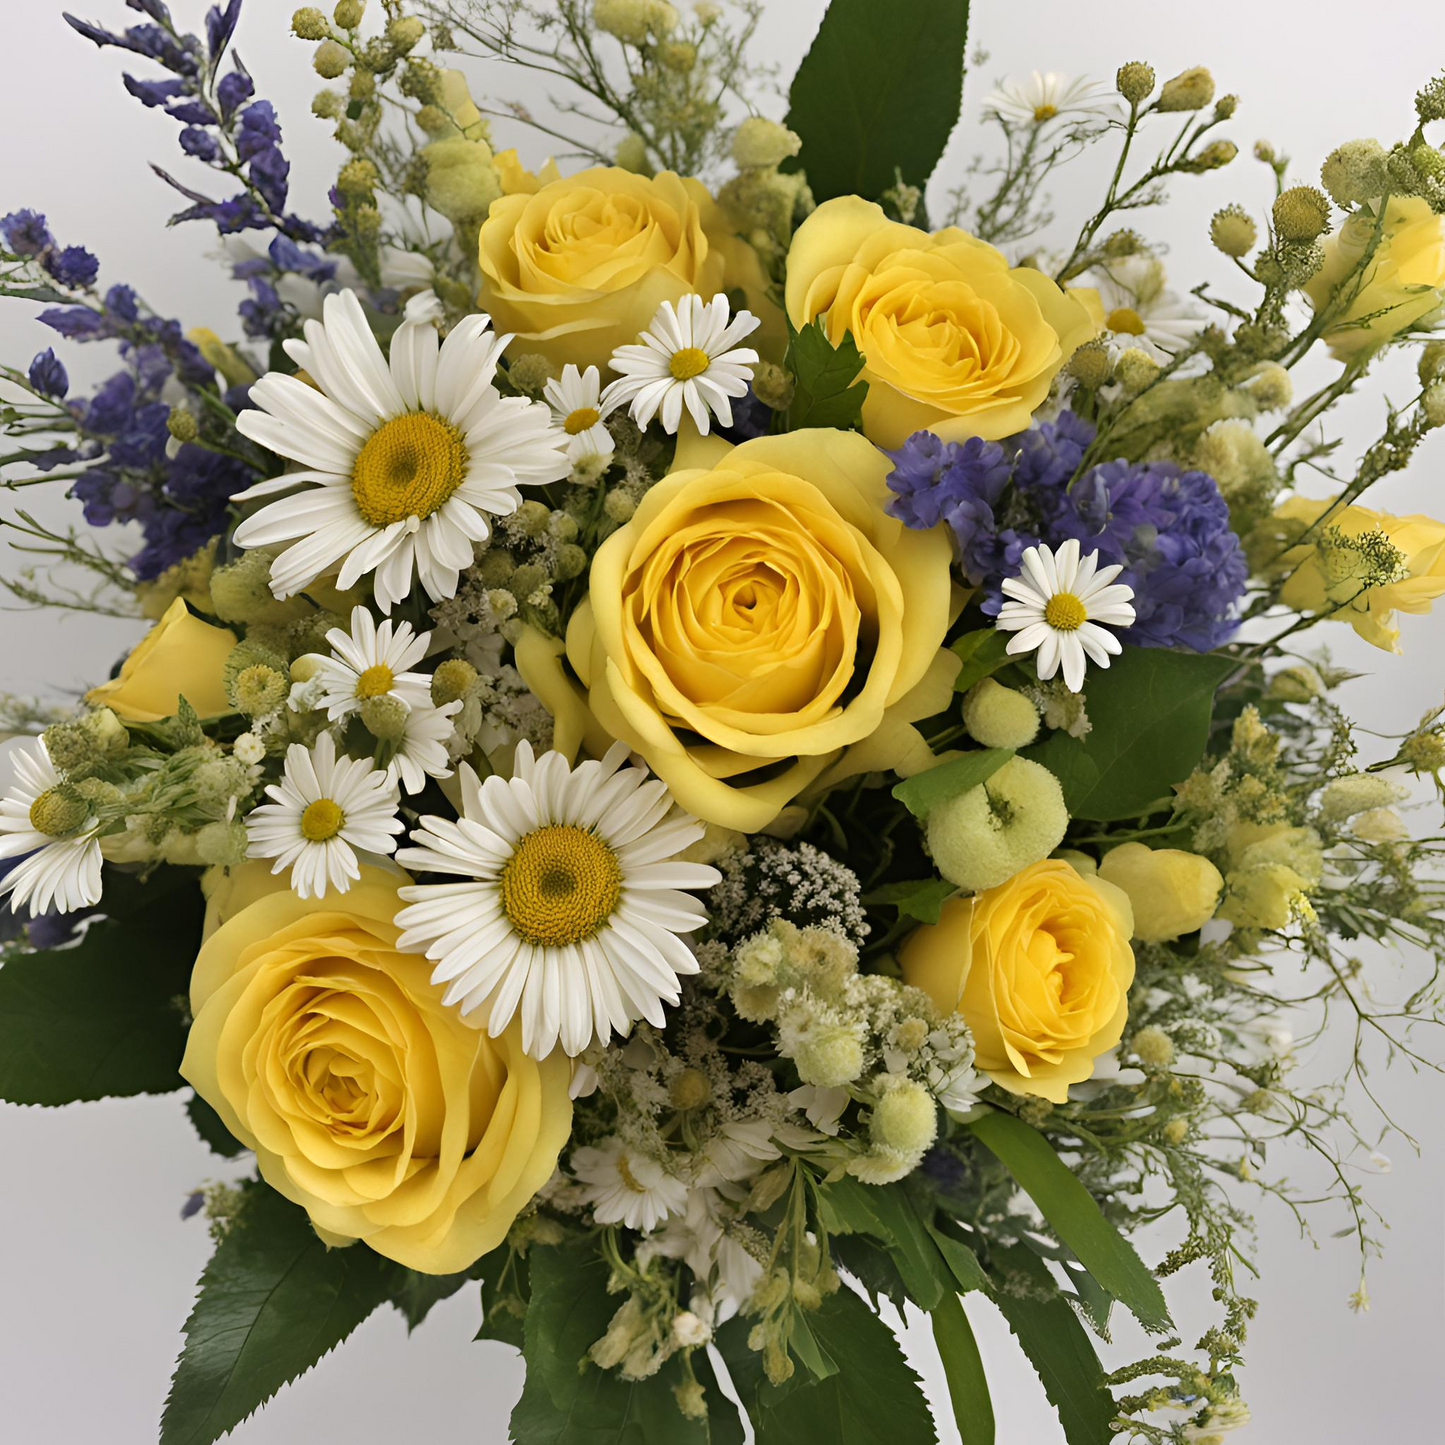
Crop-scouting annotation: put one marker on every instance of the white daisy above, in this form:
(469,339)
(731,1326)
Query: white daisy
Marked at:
(1057,603)
(573,909)
(1046,96)
(403,463)
(686,356)
(577,408)
(371,661)
(421,746)
(1141,311)
(626,1187)
(41,818)
(324,808)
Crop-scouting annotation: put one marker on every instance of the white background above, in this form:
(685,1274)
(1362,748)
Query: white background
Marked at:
(97,1267)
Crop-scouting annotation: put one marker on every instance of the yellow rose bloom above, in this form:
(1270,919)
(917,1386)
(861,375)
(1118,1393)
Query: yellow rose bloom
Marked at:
(954,339)
(1402,285)
(1171,891)
(180,656)
(1039,967)
(753,621)
(384,1115)
(578,267)
(1325,580)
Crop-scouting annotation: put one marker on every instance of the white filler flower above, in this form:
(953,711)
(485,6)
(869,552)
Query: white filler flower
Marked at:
(324,809)
(41,818)
(372,661)
(1045,96)
(403,464)
(686,357)
(576,402)
(1140,310)
(1056,605)
(573,908)
(626,1187)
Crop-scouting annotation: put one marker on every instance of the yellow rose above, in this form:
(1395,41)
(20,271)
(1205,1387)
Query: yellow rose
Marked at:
(752,622)
(381,1113)
(180,656)
(517,180)
(1327,580)
(1172,892)
(954,340)
(1039,967)
(1402,284)
(579,266)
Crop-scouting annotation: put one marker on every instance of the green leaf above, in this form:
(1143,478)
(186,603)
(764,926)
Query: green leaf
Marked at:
(961,1260)
(922,899)
(1150,715)
(106,1016)
(273,1300)
(886,1212)
(213,1132)
(1058,1347)
(1073,1215)
(924,791)
(873,1399)
(878,93)
(416,1294)
(505,1291)
(983,652)
(963,1369)
(826,392)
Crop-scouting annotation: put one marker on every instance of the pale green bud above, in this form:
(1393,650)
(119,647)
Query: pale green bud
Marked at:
(222,844)
(677,55)
(1136,370)
(331,60)
(58,812)
(1301,683)
(308,23)
(905,1119)
(1233,231)
(348,13)
(451,680)
(358,177)
(634,21)
(1432,363)
(532,517)
(404,32)
(530,372)
(1355,172)
(1216,154)
(1432,404)
(1091,365)
(327,104)
(385,717)
(1301,214)
(1430,101)
(461,180)
(1176,1131)
(1270,386)
(690,1089)
(181,424)
(258,690)
(571,562)
(618,505)
(773,386)
(1191,89)
(1358,793)
(691,1399)
(999,717)
(759,142)
(830,1056)
(1135,80)
(1153,1047)
(631,154)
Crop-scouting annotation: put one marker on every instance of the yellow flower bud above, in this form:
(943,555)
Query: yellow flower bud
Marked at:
(1301,214)
(1233,231)
(308,23)
(331,60)
(1191,89)
(761,142)
(1172,892)
(999,717)
(905,1119)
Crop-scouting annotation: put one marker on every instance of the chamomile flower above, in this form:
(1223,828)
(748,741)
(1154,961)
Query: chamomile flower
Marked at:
(1056,605)
(577,408)
(688,356)
(403,463)
(1141,311)
(41,818)
(323,809)
(572,912)
(421,745)
(371,661)
(627,1187)
(1045,96)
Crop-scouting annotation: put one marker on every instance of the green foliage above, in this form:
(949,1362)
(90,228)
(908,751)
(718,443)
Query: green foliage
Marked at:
(1150,714)
(505,1292)
(984,652)
(273,1300)
(1073,1215)
(924,791)
(416,1294)
(921,899)
(878,94)
(963,1369)
(213,1132)
(826,391)
(105,1017)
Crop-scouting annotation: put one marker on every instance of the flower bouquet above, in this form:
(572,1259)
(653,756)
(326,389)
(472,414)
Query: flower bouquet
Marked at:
(716,752)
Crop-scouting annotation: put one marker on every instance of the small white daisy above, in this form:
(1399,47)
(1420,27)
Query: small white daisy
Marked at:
(577,408)
(687,356)
(324,808)
(39,817)
(421,749)
(404,463)
(1056,605)
(371,661)
(1141,311)
(626,1187)
(573,910)
(1046,96)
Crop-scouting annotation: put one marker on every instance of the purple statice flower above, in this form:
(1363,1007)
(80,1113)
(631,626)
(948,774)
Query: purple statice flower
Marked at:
(77,323)
(154,93)
(26,233)
(122,303)
(269,173)
(1049,455)
(220,26)
(234,91)
(48,376)
(73,266)
(259,130)
(198,142)
(286,255)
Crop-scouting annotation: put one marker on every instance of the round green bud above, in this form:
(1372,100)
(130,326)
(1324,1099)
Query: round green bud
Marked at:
(1432,404)
(362,85)
(1225,106)
(1270,386)
(999,717)
(1264,151)
(358,177)
(678,56)
(451,680)
(495,567)
(631,154)
(404,32)
(690,1089)
(807,1295)
(1430,101)
(58,812)
(385,717)
(529,373)
(635,21)
(1123,243)
(308,23)
(422,80)
(1091,365)
(258,690)
(905,1119)
(1216,154)
(762,143)
(1233,231)
(327,105)
(1136,370)
(503,603)
(1301,214)
(1135,80)
(1431,366)
(830,1057)
(1153,1047)
(331,60)
(571,562)
(1355,172)
(181,424)
(1300,683)
(618,505)
(532,517)
(1176,1131)
(1191,89)
(1424,752)
(222,844)
(348,13)
(773,386)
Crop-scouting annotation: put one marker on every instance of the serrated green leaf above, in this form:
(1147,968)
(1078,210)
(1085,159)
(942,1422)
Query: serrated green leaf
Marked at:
(106,1016)
(921,899)
(505,1291)
(1149,715)
(273,1300)
(983,652)
(213,1132)
(886,1212)
(924,791)
(826,392)
(962,1261)
(416,1294)
(878,93)
(963,1369)
(1073,1215)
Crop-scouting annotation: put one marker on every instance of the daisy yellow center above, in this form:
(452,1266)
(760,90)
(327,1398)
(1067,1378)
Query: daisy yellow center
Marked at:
(561,885)
(56,814)
(1045,111)
(375,681)
(689,362)
(581,419)
(321,820)
(1065,613)
(409,466)
(629,1179)
(1125,320)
